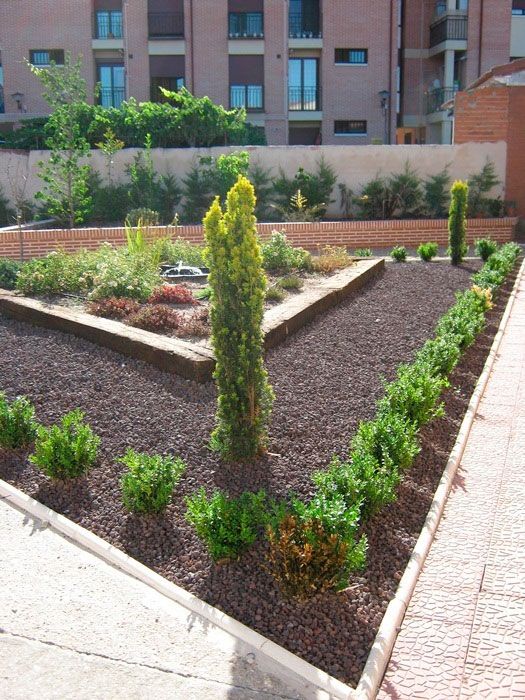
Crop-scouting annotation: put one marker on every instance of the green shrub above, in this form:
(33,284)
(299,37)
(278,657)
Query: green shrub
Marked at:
(68,450)
(315,187)
(439,355)
(485,247)
(133,276)
(479,186)
(414,394)
(390,439)
(363,253)
(457,222)
(274,295)
(427,251)
(291,283)
(56,273)
(399,253)
(397,196)
(464,320)
(142,217)
(9,270)
(17,422)
(306,559)
(279,255)
(237,278)
(228,526)
(436,189)
(7,213)
(203,294)
(148,484)
(179,250)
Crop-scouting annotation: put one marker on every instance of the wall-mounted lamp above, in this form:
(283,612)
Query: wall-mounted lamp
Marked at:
(18,97)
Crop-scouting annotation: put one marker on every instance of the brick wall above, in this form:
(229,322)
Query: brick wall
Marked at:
(481,115)
(353,234)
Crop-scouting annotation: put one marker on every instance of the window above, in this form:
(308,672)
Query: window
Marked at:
(303,84)
(247,96)
(172,84)
(112,90)
(350,127)
(518,7)
(357,57)
(108,24)
(44,57)
(245,24)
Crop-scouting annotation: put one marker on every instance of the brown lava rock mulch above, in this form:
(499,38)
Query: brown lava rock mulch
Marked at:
(327,378)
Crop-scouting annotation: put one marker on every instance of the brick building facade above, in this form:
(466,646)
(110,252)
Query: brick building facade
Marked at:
(336,71)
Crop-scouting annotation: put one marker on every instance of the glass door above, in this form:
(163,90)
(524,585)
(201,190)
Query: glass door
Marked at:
(112,81)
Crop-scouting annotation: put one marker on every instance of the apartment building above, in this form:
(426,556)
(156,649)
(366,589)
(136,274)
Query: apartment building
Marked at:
(308,71)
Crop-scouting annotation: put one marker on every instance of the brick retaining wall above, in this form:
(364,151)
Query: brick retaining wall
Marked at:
(353,234)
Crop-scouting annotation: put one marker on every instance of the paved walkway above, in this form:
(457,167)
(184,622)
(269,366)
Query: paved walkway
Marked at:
(464,632)
(73,628)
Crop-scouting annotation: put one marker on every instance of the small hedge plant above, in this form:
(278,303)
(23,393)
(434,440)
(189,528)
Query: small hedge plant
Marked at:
(156,318)
(172,294)
(113,307)
(427,251)
(457,222)
(228,526)
(399,253)
(68,450)
(291,283)
(485,247)
(331,258)
(17,422)
(363,253)
(279,255)
(147,486)
(9,270)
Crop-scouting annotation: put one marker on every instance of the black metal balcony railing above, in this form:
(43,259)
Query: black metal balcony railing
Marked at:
(437,97)
(304,25)
(2,103)
(111,97)
(449,28)
(245,25)
(165,25)
(107,24)
(304,99)
(251,97)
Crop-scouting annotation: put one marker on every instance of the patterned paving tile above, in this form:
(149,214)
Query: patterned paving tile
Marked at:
(433,639)
(418,678)
(497,647)
(482,682)
(452,574)
(439,604)
(504,580)
(498,610)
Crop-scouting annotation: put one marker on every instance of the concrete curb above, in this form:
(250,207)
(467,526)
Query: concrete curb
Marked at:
(381,651)
(308,680)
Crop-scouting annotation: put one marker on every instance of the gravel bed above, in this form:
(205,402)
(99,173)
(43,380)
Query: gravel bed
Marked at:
(327,378)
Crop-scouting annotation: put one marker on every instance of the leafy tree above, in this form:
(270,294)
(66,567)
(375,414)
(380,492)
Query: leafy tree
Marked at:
(457,221)
(109,146)
(66,190)
(480,185)
(315,186)
(238,283)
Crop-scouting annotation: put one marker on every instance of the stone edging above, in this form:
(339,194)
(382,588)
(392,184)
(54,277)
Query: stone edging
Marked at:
(178,356)
(379,656)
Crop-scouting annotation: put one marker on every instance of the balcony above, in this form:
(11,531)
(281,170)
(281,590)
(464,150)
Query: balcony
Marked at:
(304,25)
(304,99)
(449,28)
(166,25)
(245,25)
(107,24)
(2,103)
(436,98)
(248,97)
(111,97)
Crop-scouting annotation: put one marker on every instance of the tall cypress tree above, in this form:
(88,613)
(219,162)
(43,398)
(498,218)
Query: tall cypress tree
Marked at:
(457,222)
(238,285)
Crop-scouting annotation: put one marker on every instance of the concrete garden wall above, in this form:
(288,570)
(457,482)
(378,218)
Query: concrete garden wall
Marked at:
(354,165)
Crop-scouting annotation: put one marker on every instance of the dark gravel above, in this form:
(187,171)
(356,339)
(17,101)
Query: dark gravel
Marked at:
(327,378)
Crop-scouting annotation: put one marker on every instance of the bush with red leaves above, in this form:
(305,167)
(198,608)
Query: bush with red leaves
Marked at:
(197,325)
(113,307)
(156,318)
(172,294)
